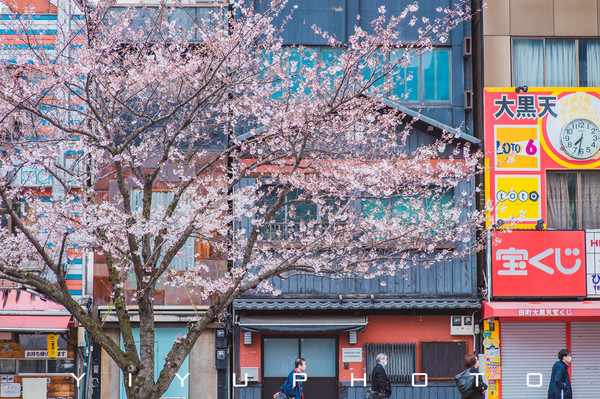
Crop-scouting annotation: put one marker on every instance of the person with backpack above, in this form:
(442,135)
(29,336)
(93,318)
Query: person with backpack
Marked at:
(469,383)
(292,387)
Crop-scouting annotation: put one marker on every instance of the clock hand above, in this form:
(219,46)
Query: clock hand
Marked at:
(578,142)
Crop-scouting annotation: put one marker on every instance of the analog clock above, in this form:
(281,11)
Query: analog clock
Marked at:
(580,138)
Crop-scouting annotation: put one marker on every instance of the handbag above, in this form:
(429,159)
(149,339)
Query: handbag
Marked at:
(280,395)
(376,395)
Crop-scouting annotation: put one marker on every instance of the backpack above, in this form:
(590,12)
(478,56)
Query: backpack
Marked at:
(464,383)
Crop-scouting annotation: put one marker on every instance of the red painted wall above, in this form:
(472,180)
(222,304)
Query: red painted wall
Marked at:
(381,329)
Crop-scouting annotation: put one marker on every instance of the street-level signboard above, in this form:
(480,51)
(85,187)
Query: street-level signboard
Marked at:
(529,263)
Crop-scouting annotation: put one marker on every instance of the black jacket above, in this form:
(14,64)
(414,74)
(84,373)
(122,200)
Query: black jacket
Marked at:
(478,390)
(560,381)
(380,382)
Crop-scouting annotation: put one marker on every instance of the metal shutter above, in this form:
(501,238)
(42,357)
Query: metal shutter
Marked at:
(585,369)
(529,348)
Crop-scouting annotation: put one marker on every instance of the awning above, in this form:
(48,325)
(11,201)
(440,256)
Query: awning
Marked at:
(303,323)
(29,323)
(541,309)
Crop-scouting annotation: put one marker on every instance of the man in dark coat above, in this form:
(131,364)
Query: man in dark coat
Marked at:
(380,385)
(479,387)
(560,381)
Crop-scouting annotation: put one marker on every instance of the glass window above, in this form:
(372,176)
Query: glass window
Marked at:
(556,62)
(436,75)
(279,356)
(589,63)
(61,366)
(571,200)
(160,201)
(406,79)
(39,341)
(528,62)
(560,63)
(320,356)
(425,78)
(32,366)
(8,366)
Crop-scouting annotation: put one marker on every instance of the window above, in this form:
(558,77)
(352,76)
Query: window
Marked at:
(401,360)
(279,355)
(433,206)
(571,200)
(426,79)
(39,341)
(556,62)
(160,200)
(8,366)
(288,219)
(60,366)
(442,360)
(32,366)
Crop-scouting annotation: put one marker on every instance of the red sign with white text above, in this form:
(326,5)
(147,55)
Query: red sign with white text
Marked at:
(530,263)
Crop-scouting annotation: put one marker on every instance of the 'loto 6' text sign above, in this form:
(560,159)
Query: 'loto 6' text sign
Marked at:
(528,263)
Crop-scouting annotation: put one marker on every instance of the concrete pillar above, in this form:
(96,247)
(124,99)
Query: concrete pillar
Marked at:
(110,373)
(203,374)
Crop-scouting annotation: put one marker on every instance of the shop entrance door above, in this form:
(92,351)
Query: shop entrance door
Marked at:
(320,354)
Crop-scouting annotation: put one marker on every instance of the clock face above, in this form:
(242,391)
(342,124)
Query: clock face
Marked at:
(580,138)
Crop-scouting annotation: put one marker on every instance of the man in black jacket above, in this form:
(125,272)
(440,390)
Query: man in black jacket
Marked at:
(380,384)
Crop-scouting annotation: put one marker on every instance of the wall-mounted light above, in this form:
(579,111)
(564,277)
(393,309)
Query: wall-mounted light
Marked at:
(539,225)
(524,89)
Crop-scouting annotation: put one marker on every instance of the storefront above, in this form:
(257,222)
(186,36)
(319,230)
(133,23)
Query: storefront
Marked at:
(340,351)
(37,348)
(530,336)
(542,149)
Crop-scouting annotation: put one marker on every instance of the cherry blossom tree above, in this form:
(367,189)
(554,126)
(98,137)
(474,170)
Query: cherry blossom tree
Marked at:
(129,95)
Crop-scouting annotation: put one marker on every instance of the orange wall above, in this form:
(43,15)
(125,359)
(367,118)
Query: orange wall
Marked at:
(396,329)
(381,329)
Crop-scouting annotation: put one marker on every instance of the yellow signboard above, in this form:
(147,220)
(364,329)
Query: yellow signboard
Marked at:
(52,345)
(518,195)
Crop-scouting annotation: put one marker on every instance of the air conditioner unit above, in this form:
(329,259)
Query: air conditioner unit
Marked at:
(461,325)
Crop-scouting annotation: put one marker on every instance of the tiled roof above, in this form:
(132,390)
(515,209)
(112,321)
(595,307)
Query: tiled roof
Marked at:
(354,304)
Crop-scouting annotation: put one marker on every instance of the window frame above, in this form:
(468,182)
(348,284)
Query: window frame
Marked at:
(578,194)
(576,41)
(287,230)
(319,50)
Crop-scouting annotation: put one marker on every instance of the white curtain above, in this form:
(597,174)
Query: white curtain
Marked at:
(528,58)
(593,63)
(560,63)
(590,187)
(561,204)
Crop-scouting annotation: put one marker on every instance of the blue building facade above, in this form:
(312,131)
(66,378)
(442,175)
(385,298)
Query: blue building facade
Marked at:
(424,318)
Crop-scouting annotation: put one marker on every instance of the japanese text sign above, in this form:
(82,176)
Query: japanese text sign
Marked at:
(527,133)
(528,263)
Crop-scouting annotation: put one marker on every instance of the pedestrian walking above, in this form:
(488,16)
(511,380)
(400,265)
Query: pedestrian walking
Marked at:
(292,387)
(469,383)
(380,384)
(560,383)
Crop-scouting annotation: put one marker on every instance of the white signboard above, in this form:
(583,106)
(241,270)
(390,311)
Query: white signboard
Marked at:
(352,355)
(10,390)
(592,252)
(44,354)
